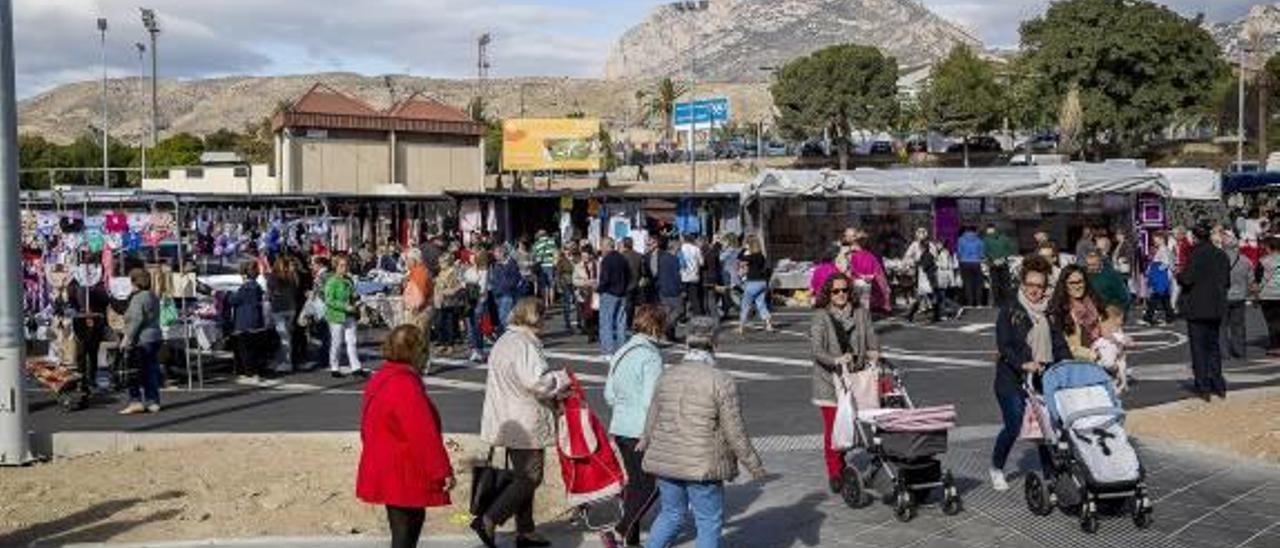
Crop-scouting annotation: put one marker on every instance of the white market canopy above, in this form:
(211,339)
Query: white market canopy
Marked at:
(1192,183)
(1055,182)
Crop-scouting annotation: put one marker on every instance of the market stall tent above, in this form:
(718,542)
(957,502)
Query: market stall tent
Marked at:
(1055,182)
(1190,183)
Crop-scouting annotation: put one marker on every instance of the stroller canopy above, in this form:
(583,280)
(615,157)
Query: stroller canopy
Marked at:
(1073,374)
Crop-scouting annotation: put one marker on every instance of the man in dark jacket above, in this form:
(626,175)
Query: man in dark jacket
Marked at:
(613,284)
(248,323)
(635,266)
(1203,303)
(504,283)
(667,283)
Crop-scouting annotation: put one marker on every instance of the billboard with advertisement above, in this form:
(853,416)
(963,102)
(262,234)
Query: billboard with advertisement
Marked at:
(551,144)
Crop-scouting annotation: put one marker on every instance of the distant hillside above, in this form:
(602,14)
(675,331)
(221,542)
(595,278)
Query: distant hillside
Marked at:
(733,39)
(204,106)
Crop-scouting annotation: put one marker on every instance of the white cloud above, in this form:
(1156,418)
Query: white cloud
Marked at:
(997,21)
(57,40)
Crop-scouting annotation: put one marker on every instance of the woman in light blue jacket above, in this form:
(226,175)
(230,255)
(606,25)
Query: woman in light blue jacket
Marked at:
(633,373)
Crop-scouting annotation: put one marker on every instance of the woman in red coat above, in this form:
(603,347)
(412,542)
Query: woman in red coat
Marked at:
(403,464)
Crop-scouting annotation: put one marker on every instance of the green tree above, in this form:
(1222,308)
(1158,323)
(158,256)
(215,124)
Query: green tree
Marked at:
(963,98)
(257,143)
(662,104)
(1027,107)
(182,149)
(223,140)
(1137,64)
(34,152)
(838,89)
(493,147)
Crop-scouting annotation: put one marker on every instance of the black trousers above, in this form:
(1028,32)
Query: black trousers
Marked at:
(406,525)
(1161,302)
(1234,324)
(1001,287)
(640,493)
(517,499)
(971,276)
(1206,355)
(90,343)
(1271,311)
(693,299)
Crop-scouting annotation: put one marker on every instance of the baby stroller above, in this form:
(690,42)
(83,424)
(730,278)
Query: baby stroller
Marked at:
(1093,462)
(64,383)
(904,442)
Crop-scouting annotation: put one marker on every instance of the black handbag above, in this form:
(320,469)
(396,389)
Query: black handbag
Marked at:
(488,481)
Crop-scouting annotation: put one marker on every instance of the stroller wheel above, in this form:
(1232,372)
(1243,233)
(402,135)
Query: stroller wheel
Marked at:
(1088,518)
(1037,495)
(71,400)
(903,508)
(851,488)
(951,504)
(1142,512)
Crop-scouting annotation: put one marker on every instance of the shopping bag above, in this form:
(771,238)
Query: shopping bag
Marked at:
(487,482)
(864,386)
(844,433)
(1031,420)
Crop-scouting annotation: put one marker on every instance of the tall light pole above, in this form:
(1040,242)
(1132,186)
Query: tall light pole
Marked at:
(14,442)
(690,7)
(106,163)
(1244,53)
(153,28)
(142,100)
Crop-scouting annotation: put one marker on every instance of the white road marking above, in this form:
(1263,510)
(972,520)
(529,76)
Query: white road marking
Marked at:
(975,328)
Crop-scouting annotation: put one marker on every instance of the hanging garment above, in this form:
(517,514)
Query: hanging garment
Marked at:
(566,226)
(492,223)
(593,232)
(687,217)
(619,227)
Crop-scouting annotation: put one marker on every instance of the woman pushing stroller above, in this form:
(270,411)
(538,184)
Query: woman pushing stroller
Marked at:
(1027,342)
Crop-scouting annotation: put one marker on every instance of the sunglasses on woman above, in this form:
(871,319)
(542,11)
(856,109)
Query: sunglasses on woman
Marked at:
(839,290)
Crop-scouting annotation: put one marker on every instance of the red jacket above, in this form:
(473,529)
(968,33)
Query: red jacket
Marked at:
(403,461)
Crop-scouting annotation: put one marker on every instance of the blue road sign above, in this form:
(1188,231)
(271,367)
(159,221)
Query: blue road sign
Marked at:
(702,111)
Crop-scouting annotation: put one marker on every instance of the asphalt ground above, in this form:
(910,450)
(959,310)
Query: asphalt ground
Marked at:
(944,363)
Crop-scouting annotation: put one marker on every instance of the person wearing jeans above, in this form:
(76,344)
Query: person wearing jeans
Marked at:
(755,270)
(633,374)
(694,439)
(140,343)
(1267,276)
(504,284)
(339,299)
(612,287)
(971,251)
(1027,342)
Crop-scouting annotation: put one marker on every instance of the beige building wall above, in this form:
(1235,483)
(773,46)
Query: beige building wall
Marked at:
(348,166)
(434,168)
(215,180)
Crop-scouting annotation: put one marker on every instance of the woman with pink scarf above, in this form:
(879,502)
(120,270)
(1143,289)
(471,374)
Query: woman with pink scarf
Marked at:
(865,266)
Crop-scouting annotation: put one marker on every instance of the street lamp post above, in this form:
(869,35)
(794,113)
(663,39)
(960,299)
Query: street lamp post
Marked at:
(106,164)
(142,100)
(14,441)
(1244,52)
(690,7)
(150,23)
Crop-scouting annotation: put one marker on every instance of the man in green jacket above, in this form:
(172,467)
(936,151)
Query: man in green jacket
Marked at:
(998,249)
(1106,282)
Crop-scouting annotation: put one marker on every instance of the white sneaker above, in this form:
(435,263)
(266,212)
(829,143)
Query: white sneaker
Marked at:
(997,480)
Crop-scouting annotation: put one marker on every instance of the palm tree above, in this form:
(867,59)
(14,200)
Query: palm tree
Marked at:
(663,103)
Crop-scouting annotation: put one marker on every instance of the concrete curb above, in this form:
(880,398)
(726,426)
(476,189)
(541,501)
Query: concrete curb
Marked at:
(77,443)
(444,541)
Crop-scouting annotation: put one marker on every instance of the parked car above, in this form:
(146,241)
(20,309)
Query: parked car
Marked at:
(917,145)
(880,148)
(981,143)
(1047,142)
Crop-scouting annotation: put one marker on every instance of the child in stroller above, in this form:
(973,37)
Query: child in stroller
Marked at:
(904,442)
(1092,461)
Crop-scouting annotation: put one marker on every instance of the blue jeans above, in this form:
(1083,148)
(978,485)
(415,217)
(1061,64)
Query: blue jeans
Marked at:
(613,322)
(757,292)
(144,384)
(473,325)
(546,275)
(677,496)
(1013,404)
(505,304)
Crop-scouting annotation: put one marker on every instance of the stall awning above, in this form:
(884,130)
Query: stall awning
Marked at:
(1057,182)
(1192,183)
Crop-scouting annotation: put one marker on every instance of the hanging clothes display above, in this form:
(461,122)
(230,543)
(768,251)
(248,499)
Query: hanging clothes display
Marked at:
(566,226)
(619,227)
(492,222)
(687,221)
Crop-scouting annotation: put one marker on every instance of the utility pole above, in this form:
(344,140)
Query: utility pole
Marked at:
(482,68)
(150,23)
(689,8)
(106,162)
(142,101)
(14,442)
(1244,53)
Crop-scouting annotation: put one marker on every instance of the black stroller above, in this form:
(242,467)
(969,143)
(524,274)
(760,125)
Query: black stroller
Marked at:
(903,442)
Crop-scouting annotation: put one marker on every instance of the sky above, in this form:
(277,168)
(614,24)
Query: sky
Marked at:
(57,41)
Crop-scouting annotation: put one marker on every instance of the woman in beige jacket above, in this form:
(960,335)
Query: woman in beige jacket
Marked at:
(519,415)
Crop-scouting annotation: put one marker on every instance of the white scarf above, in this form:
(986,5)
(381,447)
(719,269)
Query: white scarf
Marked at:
(1038,338)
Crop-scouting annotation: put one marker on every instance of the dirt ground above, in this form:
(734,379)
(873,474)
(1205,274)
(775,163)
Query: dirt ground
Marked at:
(1246,424)
(243,487)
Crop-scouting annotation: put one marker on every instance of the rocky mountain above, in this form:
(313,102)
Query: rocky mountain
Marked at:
(204,106)
(732,39)
(1259,30)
